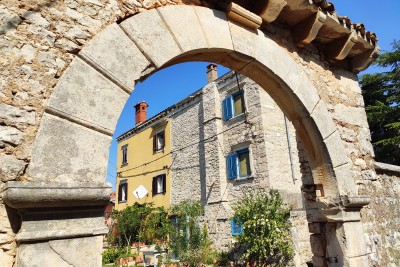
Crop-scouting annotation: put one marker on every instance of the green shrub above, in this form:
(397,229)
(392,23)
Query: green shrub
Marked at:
(110,255)
(265,222)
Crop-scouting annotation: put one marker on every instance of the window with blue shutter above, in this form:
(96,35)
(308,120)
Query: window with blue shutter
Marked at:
(236,226)
(238,164)
(231,166)
(233,105)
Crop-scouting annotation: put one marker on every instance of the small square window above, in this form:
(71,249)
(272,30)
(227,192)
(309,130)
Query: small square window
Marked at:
(123,191)
(124,150)
(233,105)
(159,141)
(159,184)
(238,164)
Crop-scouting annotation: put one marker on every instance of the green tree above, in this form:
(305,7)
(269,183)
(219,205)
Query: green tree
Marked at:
(266,238)
(381,93)
(130,223)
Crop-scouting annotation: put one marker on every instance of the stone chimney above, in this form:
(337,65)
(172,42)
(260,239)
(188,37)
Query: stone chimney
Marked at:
(141,112)
(212,73)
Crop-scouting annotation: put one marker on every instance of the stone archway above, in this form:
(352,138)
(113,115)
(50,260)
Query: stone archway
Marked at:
(69,159)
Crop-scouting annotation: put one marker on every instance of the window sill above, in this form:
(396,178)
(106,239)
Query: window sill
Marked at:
(156,194)
(124,164)
(161,150)
(237,179)
(122,201)
(237,117)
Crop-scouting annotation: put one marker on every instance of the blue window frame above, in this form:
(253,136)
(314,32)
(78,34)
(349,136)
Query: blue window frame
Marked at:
(233,105)
(236,227)
(238,164)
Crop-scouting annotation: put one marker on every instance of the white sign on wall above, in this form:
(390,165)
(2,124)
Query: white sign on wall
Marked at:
(140,192)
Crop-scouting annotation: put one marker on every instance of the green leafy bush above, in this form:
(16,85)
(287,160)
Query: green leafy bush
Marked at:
(266,238)
(111,255)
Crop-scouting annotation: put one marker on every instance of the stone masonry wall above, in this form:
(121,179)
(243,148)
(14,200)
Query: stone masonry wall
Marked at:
(38,40)
(186,173)
(381,218)
(340,91)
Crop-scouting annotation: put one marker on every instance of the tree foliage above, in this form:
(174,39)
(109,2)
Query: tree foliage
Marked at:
(381,93)
(142,223)
(266,236)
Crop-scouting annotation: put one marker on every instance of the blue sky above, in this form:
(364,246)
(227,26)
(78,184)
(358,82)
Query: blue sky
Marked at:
(172,84)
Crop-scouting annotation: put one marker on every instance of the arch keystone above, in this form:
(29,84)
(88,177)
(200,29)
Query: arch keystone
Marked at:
(185,27)
(215,27)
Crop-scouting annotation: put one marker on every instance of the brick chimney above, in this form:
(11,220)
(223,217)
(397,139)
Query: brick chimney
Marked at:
(212,73)
(141,112)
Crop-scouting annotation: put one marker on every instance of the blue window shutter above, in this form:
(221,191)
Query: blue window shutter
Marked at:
(231,166)
(236,226)
(224,109)
(227,108)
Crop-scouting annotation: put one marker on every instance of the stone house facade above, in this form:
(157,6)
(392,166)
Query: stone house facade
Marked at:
(254,140)
(67,68)
(227,138)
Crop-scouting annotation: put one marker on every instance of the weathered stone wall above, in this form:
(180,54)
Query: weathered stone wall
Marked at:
(38,40)
(381,218)
(340,91)
(186,168)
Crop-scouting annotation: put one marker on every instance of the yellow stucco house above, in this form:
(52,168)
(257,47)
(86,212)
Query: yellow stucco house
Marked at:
(144,161)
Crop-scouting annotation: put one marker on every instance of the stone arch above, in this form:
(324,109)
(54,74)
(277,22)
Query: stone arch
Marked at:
(69,158)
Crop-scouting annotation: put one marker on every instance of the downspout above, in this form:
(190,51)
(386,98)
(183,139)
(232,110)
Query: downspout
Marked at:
(290,149)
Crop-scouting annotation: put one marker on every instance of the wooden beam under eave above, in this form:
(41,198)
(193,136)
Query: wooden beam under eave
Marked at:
(362,61)
(306,31)
(242,16)
(339,49)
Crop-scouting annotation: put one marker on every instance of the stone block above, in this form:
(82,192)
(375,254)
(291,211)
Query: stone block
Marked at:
(317,245)
(323,119)
(215,27)
(46,194)
(355,244)
(336,149)
(83,252)
(308,94)
(69,153)
(79,252)
(277,59)
(345,181)
(10,167)
(185,27)
(314,228)
(115,54)
(10,135)
(149,32)
(351,115)
(16,115)
(61,224)
(244,39)
(84,93)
